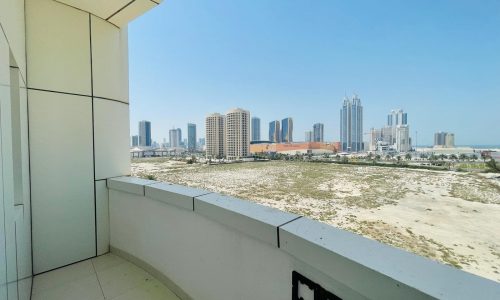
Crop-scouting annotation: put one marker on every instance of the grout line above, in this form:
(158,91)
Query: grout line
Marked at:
(97,276)
(93,131)
(104,98)
(126,5)
(29,143)
(87,12)
(278,228)
(67,265)
(74,94)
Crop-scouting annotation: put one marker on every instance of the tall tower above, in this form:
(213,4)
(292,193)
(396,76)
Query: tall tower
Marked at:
(237,133)
(308,136)
(351,125)
(145,134)
(287,130)
(318,130)
(191,145)
(274,132)
(215,136)
(255,129)
(175,137)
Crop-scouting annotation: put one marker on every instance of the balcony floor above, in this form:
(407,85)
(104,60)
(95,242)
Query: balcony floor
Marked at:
(103,277)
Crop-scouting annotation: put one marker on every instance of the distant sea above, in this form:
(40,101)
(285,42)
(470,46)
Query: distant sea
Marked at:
(471,146)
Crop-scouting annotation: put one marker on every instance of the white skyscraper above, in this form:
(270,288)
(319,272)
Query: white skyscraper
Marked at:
(175,137)
(215,136)
(351,125)
(237,133)
(403,138)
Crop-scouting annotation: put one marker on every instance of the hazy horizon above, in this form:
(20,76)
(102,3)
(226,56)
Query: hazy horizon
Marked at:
(438,61)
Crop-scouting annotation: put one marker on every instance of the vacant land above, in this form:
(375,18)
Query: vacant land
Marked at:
(447,216)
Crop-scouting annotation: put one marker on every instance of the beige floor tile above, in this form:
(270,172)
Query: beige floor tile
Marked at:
(86,288)
(119,279)
(61,276)
(106,261)
(150,290)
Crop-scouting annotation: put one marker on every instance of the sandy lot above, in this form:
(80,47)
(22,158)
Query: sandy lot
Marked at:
(450,217)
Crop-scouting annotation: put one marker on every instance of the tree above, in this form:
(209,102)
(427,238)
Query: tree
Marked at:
(453,156)
(377,157)
(398,158)
(408,156)
(387,157)
(462,157)
(442,156)
(493,166)
(474,157)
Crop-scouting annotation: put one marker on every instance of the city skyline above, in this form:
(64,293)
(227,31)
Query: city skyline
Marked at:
(450,64)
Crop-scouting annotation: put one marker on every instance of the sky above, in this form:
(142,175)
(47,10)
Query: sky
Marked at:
(437,60)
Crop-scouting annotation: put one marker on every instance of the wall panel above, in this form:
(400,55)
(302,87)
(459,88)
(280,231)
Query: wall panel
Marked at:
(62,181)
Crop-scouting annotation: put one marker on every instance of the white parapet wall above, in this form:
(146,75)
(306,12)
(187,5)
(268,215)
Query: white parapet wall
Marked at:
(218,247)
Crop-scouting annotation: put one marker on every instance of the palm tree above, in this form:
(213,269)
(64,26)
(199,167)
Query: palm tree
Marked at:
(462,157)
(377,157)
(453,156)
(387,157)
(474,157)
(408,156)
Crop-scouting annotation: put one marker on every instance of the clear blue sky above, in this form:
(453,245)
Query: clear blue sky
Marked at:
(437,60)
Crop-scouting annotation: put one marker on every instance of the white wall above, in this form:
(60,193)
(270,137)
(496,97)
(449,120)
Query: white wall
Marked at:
(79,127)
(15,220)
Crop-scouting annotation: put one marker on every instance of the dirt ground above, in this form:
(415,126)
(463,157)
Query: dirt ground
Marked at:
(451,217)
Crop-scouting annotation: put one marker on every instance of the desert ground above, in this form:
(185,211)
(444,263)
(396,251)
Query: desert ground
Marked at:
(450,217)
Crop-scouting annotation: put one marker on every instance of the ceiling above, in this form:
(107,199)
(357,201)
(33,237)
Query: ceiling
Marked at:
(118,12)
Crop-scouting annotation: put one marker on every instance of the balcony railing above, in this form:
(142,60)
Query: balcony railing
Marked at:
(209,246)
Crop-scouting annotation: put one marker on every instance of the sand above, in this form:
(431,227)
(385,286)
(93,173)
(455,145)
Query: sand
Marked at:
(450,217)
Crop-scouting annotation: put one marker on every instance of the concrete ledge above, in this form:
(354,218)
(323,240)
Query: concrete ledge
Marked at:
(127,184)
(153,271)
(255,220)
(376,270)
(178,195)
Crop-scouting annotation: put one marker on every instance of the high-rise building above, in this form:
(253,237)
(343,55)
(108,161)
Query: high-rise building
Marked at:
(397,117)
(444,139)
(287,130)
(175,137)
(318,129)
(308,136)
(255,129)
(399,138)
(274,132)
(449,141)
(135,140)
(201,142)
(375,138)
(191,141)
(351,125)
(403,141)
(237,133)
(215,136)
(145,134)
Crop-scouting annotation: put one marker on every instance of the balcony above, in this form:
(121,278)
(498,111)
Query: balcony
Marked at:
(70,217)
(203,245)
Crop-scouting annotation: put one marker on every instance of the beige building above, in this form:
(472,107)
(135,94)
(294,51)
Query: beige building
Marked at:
(237,133)
(215,135)
(403,141)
